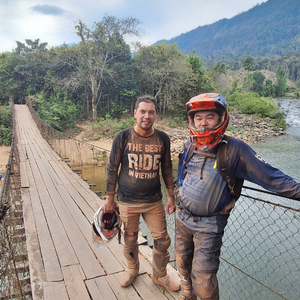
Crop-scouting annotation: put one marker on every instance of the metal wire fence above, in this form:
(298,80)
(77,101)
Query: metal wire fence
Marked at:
(261,245)
(14,269)
(261,248)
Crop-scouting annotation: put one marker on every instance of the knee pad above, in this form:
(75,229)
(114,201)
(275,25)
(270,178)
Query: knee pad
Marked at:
(162,244)
(130,240)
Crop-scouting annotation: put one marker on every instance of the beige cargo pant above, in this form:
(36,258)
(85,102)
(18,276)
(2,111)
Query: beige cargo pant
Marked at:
(155,218)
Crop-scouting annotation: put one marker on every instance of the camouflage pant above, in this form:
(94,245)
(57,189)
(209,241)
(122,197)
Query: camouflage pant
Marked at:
(198,246)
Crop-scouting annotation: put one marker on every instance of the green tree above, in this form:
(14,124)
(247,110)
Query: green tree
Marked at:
(280,86)
(5,124)
(58,112)
(13,82)
(68,74)
(258,82)
(32,64)
(120,89)
(101,45)
(202,80)
(219,68)
(269,88)
(234,85)
(248,64)
(164,72)
(252,103)
(30,47)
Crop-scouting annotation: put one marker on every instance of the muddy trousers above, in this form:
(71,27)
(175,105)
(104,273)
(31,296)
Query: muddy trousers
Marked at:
(198,245)
(130,251)
(161,256)
(160,260)
(154,217)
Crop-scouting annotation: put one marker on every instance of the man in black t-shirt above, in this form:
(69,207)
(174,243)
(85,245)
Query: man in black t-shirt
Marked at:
(136,156)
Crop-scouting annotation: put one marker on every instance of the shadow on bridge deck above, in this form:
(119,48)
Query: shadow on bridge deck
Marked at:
(58,207)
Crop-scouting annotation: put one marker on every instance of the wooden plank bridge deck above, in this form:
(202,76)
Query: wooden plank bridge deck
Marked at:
(58,207)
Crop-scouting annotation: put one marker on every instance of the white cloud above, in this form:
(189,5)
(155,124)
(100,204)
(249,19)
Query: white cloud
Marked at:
(52,21)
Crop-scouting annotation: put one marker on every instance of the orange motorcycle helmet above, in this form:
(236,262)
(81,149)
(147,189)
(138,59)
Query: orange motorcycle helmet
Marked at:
(205,137)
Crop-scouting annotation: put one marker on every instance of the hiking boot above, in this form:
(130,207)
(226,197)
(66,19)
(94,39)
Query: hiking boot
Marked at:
(131,255)
(129,276)
(167,283)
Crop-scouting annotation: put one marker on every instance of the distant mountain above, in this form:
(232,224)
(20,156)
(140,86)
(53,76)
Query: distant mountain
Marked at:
(271,28)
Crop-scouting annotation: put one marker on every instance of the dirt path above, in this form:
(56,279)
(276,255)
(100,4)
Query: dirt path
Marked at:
(4,154)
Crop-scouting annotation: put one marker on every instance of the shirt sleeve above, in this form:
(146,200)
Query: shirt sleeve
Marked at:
(114,163)
(245,163)
(166,164)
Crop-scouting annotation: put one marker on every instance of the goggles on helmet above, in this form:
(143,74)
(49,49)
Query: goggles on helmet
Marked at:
(105,227)
(205,137)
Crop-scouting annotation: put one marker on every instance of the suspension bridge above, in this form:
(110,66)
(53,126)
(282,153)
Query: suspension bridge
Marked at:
(46,246)
(57,207)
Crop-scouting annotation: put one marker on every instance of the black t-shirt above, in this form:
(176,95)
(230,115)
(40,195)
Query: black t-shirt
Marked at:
(134,164)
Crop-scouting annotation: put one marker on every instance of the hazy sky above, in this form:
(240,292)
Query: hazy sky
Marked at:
(52,21)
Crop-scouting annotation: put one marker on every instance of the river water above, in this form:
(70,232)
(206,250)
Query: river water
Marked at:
(283,151)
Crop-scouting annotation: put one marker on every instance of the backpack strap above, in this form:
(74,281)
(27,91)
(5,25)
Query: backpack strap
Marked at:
(236,188)
(188,154)
(222,163)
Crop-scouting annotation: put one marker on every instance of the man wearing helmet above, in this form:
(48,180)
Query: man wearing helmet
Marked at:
(200,219)
(207,134)
(141,151)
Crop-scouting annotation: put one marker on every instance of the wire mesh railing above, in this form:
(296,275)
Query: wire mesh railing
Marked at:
(261,244)
(14,268)
(261,248)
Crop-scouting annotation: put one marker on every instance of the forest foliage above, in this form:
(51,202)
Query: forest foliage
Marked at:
(99,78)
(5,124)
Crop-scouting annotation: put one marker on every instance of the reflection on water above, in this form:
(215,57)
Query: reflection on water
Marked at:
(95,176)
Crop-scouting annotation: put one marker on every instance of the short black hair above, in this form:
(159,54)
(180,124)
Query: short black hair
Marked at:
(145,98)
